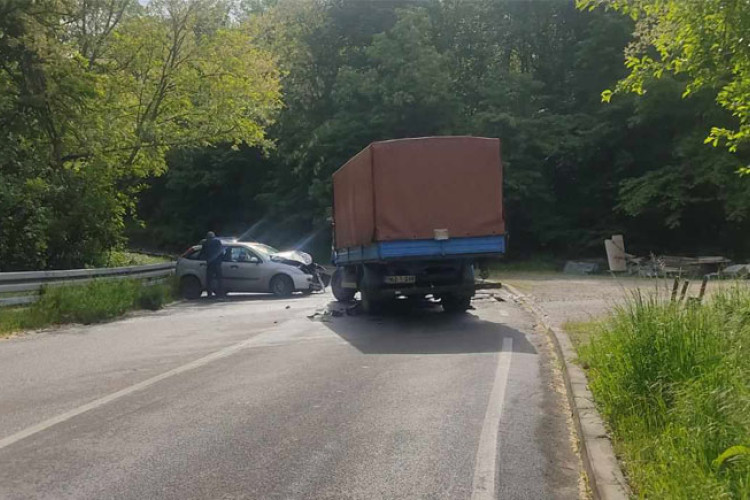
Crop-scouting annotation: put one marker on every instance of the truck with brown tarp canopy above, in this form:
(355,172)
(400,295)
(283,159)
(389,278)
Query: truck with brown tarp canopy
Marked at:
(411,216)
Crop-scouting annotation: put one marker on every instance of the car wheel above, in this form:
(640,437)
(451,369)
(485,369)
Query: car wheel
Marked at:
(341,294)
(190,288)
(282,286)
(456,304)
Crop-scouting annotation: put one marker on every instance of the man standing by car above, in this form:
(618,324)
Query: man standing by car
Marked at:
(213,252)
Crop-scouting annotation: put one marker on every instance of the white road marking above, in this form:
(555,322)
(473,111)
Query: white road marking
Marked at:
(265,339)
(483,486)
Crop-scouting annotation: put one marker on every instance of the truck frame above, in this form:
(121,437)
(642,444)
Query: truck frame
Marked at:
(413,216)
(415,269)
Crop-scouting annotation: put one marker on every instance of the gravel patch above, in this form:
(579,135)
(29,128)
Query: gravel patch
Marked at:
(583,298)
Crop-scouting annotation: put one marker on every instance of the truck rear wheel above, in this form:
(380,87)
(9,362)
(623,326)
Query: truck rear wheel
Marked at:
(369,304)
(342,294)
(456,303)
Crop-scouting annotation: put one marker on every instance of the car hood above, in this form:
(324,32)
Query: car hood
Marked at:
(292,256)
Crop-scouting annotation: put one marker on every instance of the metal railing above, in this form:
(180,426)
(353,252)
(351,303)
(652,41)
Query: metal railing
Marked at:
(28,284)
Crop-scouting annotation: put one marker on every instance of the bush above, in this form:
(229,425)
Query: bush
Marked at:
(123,258)
(673,382)
(153,297)
(96,301)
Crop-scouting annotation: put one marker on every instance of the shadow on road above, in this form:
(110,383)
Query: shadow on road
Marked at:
(424,330)
(237,298)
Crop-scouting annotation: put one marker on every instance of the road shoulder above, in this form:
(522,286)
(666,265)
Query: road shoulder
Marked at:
(605,477)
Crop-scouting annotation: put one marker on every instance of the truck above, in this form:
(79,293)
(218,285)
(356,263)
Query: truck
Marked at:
(411,217)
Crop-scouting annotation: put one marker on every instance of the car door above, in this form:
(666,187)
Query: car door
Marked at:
(190,265)
(241,270)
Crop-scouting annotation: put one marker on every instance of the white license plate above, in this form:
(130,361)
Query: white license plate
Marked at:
(400,280)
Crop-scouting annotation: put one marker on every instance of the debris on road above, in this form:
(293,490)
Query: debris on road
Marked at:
(354,309)
(577,267)
(326,313)
(487,285)
(654,266)
(734,271)
(617,258)
(324,316)
(671,265)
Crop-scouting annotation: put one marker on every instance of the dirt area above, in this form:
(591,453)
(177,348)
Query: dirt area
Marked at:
(569,298)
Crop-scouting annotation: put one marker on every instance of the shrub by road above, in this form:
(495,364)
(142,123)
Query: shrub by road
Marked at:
(673,382)
(96,301)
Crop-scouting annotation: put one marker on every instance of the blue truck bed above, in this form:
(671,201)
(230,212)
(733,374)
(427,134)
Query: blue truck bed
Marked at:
(420,249)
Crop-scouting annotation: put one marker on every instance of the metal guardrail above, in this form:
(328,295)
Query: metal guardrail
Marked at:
(35,281)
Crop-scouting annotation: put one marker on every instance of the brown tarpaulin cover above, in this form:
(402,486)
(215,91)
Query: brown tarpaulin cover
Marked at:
(407,188)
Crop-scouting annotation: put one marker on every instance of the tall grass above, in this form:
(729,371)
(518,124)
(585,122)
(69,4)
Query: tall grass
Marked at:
(673,382)
(96,301)
(122,258)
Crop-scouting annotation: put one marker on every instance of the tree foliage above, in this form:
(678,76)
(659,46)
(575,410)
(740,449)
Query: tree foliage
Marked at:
(103,98)
(704,40)
(530,73)
(94,93)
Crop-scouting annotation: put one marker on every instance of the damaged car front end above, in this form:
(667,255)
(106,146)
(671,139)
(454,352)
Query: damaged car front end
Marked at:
(304,262)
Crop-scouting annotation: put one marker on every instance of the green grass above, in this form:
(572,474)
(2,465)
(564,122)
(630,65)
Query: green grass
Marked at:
(581,332)
(122,258)
(96,301)
(673,382)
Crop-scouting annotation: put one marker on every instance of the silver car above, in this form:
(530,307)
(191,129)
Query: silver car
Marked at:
(251,267)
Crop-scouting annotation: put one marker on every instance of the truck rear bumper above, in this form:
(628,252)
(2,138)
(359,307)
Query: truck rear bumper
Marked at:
(479,246)
(388,293)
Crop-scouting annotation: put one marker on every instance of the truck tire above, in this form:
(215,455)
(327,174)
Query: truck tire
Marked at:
(341,294)
(282,285)
(369,304)
(190,288)
(456,303)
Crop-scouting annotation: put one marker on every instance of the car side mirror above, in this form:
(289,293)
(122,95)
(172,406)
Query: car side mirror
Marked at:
(255,260)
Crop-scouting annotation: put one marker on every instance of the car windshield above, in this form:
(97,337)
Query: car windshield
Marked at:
(265,249)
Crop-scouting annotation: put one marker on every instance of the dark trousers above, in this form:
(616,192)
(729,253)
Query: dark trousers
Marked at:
(213,278)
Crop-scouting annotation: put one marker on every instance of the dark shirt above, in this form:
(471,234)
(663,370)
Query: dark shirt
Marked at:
(212,251)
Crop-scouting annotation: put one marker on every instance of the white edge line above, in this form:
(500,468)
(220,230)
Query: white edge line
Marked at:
(483,486)
(46,424)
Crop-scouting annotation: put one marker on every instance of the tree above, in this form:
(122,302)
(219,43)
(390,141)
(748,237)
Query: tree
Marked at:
(98,91)
(530,73)
(706,41)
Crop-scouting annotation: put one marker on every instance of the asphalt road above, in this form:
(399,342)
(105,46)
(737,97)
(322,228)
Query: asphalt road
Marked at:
(251,398)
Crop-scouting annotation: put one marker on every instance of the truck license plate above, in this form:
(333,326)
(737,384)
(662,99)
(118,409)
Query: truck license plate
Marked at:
(400,280)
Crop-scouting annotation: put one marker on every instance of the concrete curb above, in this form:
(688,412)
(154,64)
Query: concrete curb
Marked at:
(606,480)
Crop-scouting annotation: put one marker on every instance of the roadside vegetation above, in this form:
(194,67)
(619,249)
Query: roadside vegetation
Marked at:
(93,302)
(673,382)
(581,332)
(124,258)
